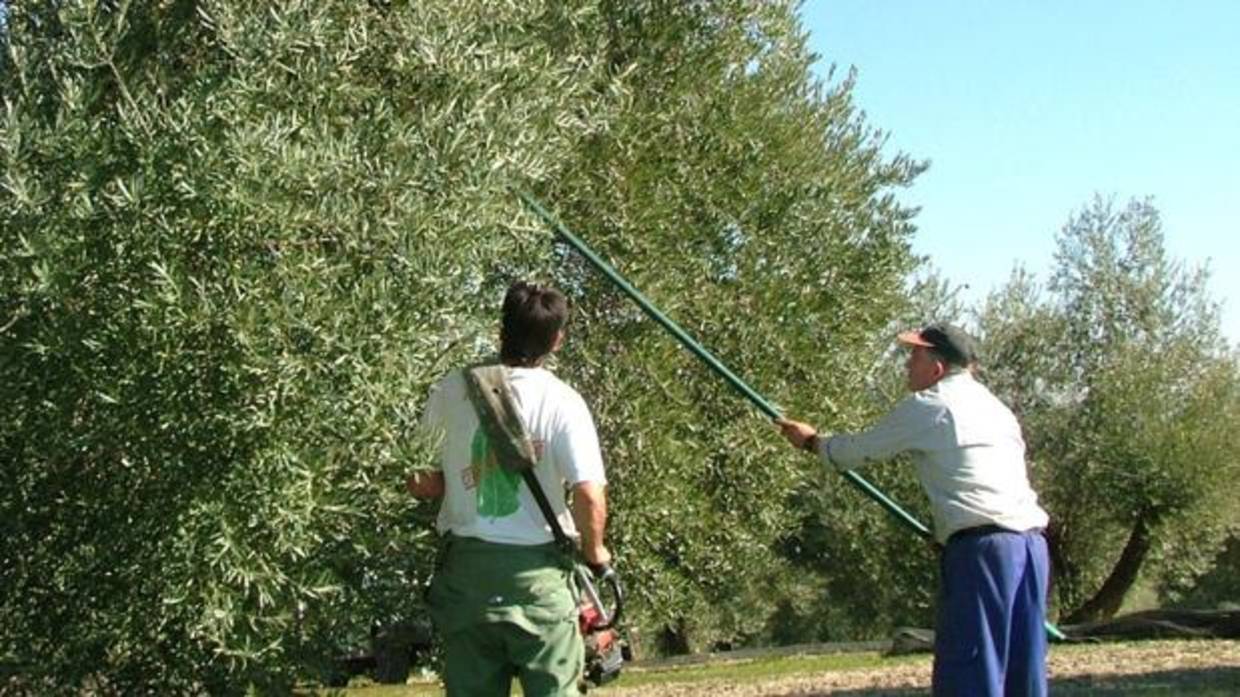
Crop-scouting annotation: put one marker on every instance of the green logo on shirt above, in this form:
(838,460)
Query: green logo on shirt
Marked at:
(497,487)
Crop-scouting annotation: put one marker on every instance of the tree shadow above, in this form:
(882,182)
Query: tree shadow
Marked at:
(1222,680)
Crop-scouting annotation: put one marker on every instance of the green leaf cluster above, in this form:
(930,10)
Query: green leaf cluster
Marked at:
(240,240)
(752,204)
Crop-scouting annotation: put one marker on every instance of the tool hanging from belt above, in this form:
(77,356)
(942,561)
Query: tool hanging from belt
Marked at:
(490,391)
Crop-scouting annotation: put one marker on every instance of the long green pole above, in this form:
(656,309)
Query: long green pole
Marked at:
(709,359)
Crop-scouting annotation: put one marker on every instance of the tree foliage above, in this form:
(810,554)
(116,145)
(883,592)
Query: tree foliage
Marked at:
(241,239)
(1128,396)
(239,242)
(753,205)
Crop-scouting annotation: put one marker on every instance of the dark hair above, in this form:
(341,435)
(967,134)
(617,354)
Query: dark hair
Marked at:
(532,315)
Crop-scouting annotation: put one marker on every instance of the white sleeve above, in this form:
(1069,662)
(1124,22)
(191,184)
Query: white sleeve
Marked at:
(901,430)
(432,422)
(432,411)
(575,447)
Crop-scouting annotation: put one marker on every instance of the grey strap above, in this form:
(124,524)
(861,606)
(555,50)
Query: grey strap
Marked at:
(491,393)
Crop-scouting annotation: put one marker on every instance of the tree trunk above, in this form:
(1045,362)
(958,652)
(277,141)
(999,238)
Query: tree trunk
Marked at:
(1106,602)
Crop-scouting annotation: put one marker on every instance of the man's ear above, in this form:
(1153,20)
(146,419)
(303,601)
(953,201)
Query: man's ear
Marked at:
(559,341)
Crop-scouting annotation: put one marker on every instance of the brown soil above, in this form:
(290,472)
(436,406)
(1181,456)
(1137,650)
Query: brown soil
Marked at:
(1181,667)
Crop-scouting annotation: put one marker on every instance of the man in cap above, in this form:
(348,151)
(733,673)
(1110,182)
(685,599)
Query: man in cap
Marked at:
(970,458)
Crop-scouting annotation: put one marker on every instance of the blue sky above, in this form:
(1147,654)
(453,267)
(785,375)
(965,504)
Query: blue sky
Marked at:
(1027,109)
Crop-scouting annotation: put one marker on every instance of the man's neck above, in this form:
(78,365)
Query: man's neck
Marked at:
(955,373)
(523,364)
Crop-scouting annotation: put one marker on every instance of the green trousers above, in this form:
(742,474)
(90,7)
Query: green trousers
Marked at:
(504,612)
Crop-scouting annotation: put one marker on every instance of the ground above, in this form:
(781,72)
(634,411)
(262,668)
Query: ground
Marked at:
(1142,668)
(1202,668)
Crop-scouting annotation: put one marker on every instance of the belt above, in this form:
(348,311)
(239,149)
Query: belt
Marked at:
(980,530)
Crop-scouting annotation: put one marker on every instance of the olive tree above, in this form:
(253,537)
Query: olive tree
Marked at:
(754,205)
(1127,393)
(239,242)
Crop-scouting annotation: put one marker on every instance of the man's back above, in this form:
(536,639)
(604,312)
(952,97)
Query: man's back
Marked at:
(502,597)
(485,501)
(971,458)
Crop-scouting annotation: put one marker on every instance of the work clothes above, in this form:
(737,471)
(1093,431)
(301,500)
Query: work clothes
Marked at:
(968,451)
(503,598)
(506,611)
(481,498)
(970,459)
(990,636)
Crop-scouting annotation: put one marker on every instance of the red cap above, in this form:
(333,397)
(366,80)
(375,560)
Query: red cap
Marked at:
(913,338)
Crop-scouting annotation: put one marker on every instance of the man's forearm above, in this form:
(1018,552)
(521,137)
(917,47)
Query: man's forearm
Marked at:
(590,514)
(425,485)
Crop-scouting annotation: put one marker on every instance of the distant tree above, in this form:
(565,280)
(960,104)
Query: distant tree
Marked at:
(1128,395)
(1216,584)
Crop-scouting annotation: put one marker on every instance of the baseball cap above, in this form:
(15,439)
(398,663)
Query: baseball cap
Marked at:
(948,340)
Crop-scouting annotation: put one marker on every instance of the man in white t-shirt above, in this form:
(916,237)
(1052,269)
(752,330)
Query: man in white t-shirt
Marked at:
(502,598)
(990,638)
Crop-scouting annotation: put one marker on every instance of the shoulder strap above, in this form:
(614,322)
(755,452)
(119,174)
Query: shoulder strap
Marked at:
(490,391)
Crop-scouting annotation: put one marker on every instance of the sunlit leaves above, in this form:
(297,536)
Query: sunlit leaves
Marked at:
(240,242)
(748,202)
(242,239)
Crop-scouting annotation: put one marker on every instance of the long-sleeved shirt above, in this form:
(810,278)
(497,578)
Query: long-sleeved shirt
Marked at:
(968,450)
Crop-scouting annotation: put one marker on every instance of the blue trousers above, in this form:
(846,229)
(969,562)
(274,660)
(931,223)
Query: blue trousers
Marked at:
(989,637)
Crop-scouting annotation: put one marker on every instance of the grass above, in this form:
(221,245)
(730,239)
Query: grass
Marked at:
(746,671)
(742,671)
(760,670)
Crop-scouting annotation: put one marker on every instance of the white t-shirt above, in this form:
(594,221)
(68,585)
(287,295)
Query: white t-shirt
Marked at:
(967,447)
(483,500)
